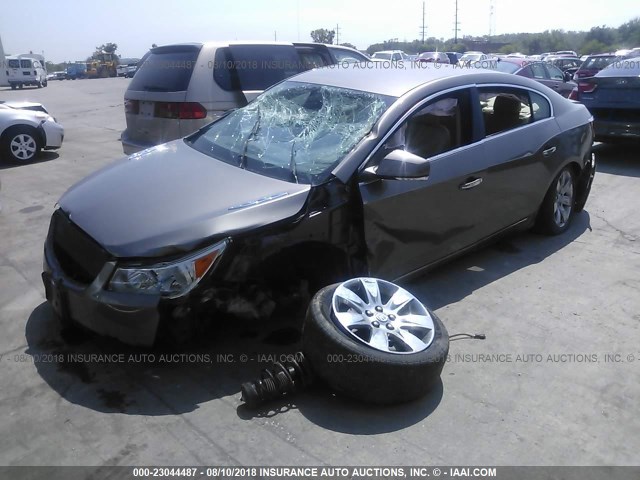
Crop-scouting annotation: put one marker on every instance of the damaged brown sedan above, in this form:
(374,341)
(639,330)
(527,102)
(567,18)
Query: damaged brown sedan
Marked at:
(334,173)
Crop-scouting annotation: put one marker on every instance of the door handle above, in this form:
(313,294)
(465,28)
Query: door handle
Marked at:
(471,184)
(549,151)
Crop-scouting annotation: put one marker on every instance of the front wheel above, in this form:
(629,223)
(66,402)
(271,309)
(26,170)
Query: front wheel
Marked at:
(558,205)
(372,340)
(20,144)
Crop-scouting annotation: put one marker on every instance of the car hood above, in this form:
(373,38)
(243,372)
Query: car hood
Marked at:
(171,199)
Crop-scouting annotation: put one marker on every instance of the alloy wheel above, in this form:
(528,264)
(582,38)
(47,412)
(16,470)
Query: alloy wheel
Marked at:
(382,315)
(23,147)
(563,203)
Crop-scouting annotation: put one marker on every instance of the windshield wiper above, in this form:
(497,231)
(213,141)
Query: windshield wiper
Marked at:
(254,131)
(292,162)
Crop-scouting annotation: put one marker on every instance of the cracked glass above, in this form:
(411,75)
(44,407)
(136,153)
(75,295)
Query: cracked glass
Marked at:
(295,131)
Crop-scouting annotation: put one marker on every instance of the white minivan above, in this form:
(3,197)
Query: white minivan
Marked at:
(26,69)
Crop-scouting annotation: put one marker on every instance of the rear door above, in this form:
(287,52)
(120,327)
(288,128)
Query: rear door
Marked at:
(520,142)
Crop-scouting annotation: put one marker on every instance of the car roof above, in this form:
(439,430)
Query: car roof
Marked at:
(392,81)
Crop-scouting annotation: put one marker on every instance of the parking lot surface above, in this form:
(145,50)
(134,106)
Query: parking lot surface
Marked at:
(556,382)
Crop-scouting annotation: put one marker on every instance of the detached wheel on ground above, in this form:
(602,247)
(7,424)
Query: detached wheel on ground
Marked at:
(558,205)
(372,340)
(20,144)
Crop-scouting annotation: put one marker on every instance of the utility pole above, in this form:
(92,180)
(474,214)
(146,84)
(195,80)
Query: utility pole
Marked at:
(456,25)
(337,34)
(423,29)
(492,18)
(275,36)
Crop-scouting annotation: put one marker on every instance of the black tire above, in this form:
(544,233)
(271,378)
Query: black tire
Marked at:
(20,86)
(13,86)
(39,84)
(30,138)
(584,183)
(45,83)
(362,372)
(548,221)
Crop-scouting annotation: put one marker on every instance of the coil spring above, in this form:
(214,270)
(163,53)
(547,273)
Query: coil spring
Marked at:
(282,378)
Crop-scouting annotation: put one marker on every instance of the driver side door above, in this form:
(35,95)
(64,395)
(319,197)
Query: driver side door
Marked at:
(411,223)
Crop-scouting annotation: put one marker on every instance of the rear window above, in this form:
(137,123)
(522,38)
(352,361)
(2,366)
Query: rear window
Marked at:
(255,67)
(597,62)
(25,63)
(166,69)
(14,63)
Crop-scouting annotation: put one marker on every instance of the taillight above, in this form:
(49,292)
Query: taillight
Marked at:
(132,106)
(180,110)
(586,87)
(574,94)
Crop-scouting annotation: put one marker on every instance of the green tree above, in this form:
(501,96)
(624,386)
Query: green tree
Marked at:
(350,45)
(107,48)
(322,35)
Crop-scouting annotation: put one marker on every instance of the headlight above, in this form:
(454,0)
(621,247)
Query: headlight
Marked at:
(171,279)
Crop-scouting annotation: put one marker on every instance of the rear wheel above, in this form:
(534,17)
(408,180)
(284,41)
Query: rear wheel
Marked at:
(558,205)
(20,144)
(13,86)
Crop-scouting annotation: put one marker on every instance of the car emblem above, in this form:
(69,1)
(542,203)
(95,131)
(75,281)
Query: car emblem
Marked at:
(621,81)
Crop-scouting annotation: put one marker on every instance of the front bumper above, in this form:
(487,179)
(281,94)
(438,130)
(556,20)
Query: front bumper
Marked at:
(132,319)
(53,133)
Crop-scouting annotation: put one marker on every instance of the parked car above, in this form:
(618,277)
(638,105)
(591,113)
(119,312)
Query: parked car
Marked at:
(593,64)
(61,75)
(25,129)
(565,63)
(25,70)
(473,59)
(613,97)
(170,98)
(390,55)
(433,57)
(315,181)
(542,72)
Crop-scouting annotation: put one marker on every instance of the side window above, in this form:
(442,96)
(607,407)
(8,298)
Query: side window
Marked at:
(527,72)
(539,106)
(538,71)
(311,60)
(441,125)
(396,57)
(504,108)
(555,73)
(346,56)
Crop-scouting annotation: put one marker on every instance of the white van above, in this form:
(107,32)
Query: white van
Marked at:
(26,69)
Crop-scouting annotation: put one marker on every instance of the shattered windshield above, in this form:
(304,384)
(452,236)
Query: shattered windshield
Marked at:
(295,131)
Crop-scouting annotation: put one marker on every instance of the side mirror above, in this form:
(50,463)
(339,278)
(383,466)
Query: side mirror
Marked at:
(403,164)
(568,76)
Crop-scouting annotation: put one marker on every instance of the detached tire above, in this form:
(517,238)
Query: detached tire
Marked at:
(559,204)
(394,351)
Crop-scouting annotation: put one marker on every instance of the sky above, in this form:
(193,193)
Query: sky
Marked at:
(67,30)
